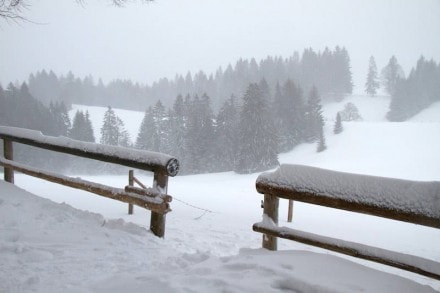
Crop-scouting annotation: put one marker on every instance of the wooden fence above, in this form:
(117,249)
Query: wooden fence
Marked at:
(403,200)
(154,199)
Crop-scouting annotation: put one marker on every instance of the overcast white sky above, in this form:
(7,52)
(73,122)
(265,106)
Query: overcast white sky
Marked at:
(149,41)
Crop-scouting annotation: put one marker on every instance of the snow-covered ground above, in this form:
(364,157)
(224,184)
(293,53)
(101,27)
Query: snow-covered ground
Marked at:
(209,244)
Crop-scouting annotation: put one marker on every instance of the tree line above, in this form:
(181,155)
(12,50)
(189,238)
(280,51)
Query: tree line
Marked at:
(245,135)
(328,70)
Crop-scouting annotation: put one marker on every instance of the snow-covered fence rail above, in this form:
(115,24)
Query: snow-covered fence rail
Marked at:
(409,201)
(154,199)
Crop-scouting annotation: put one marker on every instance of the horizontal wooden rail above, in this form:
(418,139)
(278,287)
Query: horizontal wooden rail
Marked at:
(139,159)
(155,204)
(409,201)
(403,200)
(402,261)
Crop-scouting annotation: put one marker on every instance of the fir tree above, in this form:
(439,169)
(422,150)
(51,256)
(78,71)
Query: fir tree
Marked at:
(338,124)
(148,138)
(178,119)
(372,84)
(257,147)
(321,142)
(227,136)
(390,75)
(110,128)
(313,116)
(82,127)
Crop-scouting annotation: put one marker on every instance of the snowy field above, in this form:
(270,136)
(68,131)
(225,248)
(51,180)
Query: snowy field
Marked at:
(209,246)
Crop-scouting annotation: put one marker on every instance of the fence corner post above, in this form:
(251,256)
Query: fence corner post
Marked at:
(130,183)
(271,203)
(157,222)
(8,154)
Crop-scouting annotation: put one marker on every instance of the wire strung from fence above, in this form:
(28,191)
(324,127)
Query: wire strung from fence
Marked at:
(205,211)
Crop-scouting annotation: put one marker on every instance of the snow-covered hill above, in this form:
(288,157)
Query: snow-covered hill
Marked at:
(209,244)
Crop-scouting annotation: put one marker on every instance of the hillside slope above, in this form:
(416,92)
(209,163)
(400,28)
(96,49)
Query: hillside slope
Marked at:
(209,244)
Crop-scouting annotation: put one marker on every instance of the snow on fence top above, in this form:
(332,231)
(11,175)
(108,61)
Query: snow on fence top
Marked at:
(336,189)
(140,159)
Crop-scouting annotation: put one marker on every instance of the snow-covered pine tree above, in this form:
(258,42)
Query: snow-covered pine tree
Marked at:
(199,137)
(147,138)
(313,116)
(321,142)
(161,120)
(288,115)
(88,130)
(226,136)
(178,119)
(257,146)
(338,124)
(110,128)
(123,135)
(372,84)
(82,127)
(390,74)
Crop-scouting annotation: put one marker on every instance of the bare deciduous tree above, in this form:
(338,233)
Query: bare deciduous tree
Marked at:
(13,9)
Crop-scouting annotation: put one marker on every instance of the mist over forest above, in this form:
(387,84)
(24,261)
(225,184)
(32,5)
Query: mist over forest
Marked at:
(211,122)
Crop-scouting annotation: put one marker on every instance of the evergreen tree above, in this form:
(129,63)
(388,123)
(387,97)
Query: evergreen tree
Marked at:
(178,120)
(338,124)
(288,113)
(321,142)
(110,128)
(415,93)
(313,116)
(161,121)
(257,147)
(227,136)
(82,127)
(372,84)
(148,138)
(123,135)
(199,137)
(390,74)
(89,132)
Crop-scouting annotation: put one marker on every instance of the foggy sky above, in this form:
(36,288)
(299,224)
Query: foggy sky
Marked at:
(144,42)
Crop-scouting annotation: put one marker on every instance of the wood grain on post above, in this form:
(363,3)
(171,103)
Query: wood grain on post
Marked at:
(130,183)
(8,154)
(157,222)
(271,203)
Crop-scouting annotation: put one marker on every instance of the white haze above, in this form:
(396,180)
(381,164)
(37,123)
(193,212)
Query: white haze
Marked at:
(145,42)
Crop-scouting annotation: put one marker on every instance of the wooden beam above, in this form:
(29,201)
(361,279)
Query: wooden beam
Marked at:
(150,192)
(343,204)
(156,205)
(139,159)
(139,183)
(349,248)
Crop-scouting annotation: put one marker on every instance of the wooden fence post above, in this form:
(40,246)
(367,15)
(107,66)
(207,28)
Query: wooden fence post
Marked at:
(271,203)
(8,154)
(157,222)
(290,211)
(130,183)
